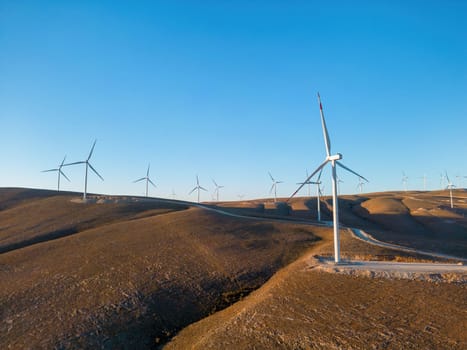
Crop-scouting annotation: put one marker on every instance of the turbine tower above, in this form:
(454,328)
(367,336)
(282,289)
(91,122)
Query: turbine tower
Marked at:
(308,183)
(148,180)
(334,160)
(424,177)
(450,186)
(274,186)
(318,191)
(59,172)
(441,180)
(405,179)
(88,165)
(216,190)
(197,187)
(360,185)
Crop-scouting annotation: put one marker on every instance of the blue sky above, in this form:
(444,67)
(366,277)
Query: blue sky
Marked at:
(227,90)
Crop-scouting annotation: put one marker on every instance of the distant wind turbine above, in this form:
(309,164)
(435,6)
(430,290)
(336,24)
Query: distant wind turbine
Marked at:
(174,195)
(318,191)
(424,177)
(360,185)
(405,180)
(197,188)
(334,160)
(441,180)
(450,186)
(339,181)
(88,165)
(148,180)
(308,183)
(216,190)
(274,186)
(59,172)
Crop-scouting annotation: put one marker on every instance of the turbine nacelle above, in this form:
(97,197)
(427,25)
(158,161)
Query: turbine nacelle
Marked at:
(335,157)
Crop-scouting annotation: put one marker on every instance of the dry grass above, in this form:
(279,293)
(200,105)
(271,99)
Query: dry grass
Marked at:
(131,274)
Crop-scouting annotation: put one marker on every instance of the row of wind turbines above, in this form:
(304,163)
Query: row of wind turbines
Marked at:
(443,178)
(333,159)
(146,178)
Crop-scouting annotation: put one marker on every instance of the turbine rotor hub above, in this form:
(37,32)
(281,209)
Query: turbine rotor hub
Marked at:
(337,156)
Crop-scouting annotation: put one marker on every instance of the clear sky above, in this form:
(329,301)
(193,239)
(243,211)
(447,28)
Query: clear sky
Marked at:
(227,90)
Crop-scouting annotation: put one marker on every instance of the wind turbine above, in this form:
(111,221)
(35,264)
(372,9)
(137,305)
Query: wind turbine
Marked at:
(450,186)
(334,160)
(174,195)
(197,187)
(405,179)
(274,186)
(60,172)
(308,183)
(216,190)
(148,180)
(88,165)
(424,181)
(339,181)
(360,185)
(318,191)
(441,180)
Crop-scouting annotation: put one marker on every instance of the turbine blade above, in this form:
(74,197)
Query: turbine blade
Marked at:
(46,171)
(74,163)
(350,170)
(327,141)
(308,179)
(272,187)
(319,176)
(193,190)
(63,174)
(447,177)
(271,176)
(95,171)
(152,183)
(214,182)
(202,188)
(143,178)
(92,149)
(63,161)
(147,173)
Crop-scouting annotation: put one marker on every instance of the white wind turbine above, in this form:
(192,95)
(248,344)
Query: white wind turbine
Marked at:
(318,191)
(450,186)
(59,172)
(360,185)
(441,180)
(274,186)
(197,187)
(339,181)
(148,180)
(216,190)
(334,160)
(308,183)
(88,165)
(424,177)
(405,180)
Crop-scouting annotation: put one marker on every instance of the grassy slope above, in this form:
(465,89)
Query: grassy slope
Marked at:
(302,308)
(128,277)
